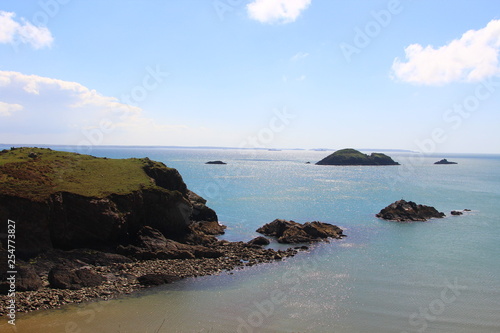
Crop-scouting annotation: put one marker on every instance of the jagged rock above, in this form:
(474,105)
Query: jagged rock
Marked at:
(456,212)
(208,227)
(408,211)
(151,243)
(292,232)
(200,210)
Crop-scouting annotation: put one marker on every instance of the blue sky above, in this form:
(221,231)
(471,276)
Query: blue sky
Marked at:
(418,75)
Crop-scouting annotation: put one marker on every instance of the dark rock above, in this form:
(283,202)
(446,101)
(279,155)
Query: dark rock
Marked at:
(150,239)
(215,162)
(456,212)
(27,279)
(467,210)
(354,157)
(200,210)
(156,279)
(408,211)
(64,278)
(208,227)
(292,232)
(445,161)
(204,252)
(259,241)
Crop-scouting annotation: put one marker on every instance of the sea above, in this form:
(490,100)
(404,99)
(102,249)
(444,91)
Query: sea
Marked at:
(442,275)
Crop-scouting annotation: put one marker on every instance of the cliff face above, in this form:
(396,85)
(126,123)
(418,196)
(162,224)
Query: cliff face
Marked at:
(125,195)
(353,157)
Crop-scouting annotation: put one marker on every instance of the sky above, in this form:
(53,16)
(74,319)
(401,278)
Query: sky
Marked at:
(394,74)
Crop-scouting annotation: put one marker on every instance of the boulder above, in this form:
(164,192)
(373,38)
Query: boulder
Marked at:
(456,212)
(260,241)
(408,211)
(156,279)
(27,279)
(64,278)
(291,232)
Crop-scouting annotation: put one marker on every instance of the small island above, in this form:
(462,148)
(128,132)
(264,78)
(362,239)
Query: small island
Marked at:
(408,211)
(445,161)
(216,162)
(351,156)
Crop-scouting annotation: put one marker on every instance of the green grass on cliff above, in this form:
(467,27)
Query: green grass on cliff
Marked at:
(36,173)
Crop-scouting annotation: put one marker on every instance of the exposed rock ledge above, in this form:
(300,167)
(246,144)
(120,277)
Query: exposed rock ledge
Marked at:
(408,211)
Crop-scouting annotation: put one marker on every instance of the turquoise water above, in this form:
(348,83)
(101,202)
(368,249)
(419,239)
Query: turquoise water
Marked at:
(439,276)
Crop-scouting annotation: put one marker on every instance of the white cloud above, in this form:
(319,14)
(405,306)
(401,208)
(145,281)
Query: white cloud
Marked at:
(7,109)
(471,58)
(63,112)
(276,11)
(299,56)
(13,32)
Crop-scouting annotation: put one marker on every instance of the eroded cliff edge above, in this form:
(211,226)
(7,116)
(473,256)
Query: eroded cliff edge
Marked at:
(66,201)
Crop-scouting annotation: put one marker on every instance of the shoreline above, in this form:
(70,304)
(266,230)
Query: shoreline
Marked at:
(124,278)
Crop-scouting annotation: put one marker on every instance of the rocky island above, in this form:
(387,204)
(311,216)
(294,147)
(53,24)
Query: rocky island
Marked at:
(403,211)
(351,156)
(216,162)
(88,227)
(445,161)
(291,232)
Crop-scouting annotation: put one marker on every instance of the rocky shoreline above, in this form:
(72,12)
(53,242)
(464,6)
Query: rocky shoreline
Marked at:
(127,275)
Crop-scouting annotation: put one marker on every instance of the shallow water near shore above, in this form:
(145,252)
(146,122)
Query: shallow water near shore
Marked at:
(438,276)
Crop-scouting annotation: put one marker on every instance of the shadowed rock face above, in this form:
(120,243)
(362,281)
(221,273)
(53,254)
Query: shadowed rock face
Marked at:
(408,211)
(353,157)
(291,232)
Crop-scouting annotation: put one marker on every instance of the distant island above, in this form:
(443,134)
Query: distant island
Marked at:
(445,161)
(351,156)
(215,162)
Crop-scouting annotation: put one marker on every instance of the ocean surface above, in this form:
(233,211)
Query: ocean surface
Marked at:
(384,277)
